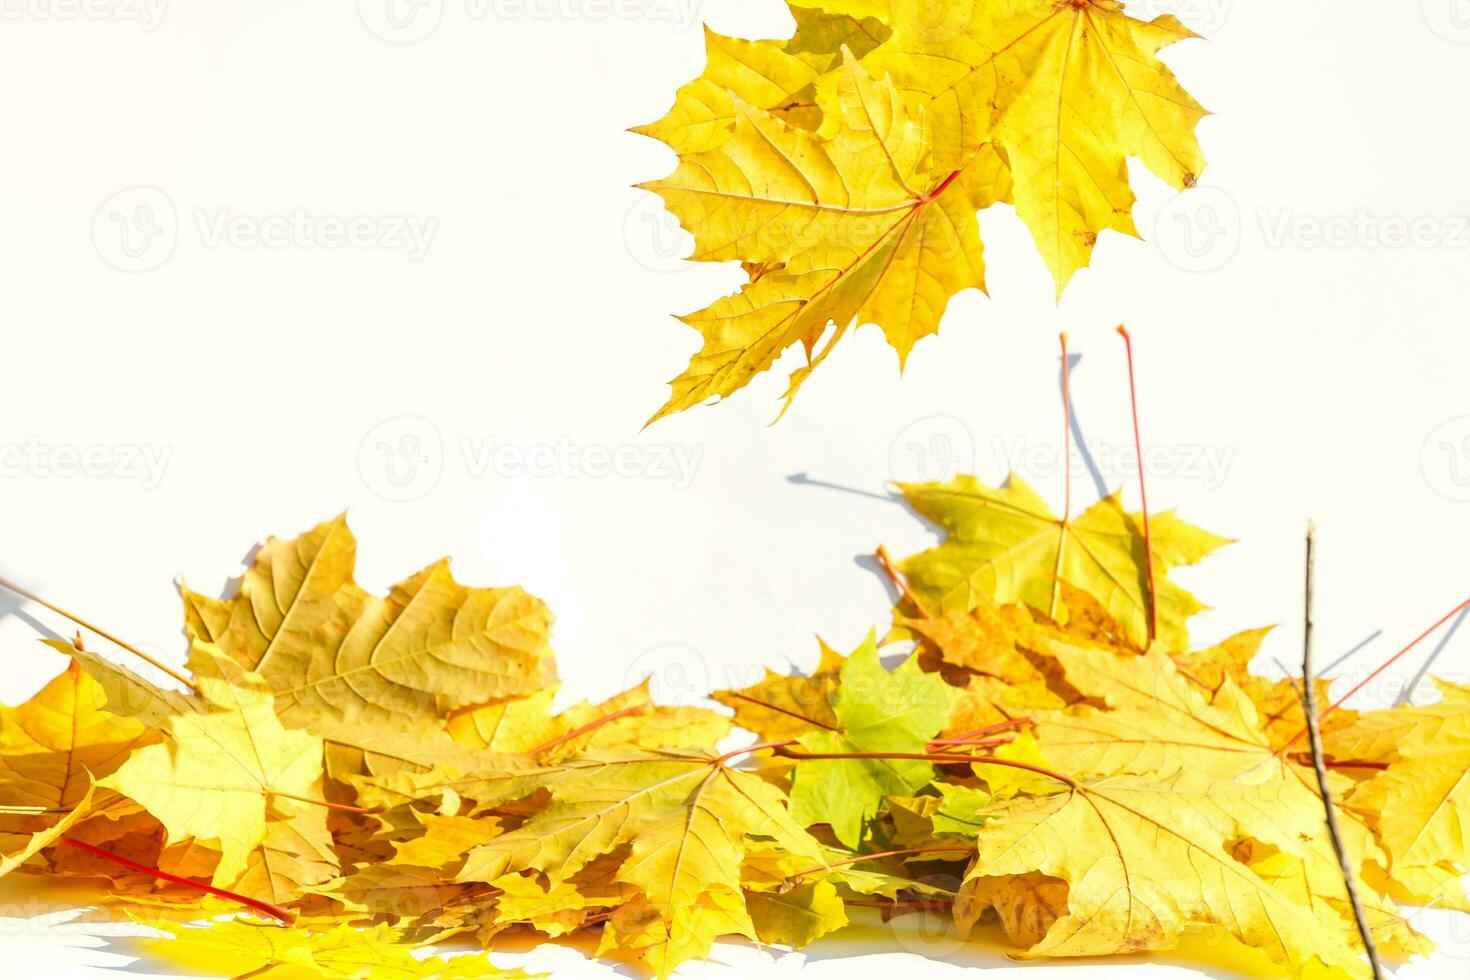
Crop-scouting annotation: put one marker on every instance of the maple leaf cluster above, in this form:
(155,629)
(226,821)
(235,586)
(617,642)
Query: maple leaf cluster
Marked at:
(844,167)
(1050,756)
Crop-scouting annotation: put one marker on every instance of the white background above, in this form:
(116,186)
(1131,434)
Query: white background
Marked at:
(283,383)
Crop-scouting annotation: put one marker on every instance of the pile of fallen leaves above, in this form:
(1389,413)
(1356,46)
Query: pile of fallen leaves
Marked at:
(380,773)
(367,776)
(844,167)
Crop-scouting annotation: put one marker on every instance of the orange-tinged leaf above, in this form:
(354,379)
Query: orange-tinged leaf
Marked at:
(627,720)
(18,848)
(782,706)
(55,744)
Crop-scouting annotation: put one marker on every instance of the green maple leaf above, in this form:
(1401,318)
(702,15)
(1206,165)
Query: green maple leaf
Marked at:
(877,711)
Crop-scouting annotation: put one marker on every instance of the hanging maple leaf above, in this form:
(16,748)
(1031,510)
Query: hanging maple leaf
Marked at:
(858,227)
(848,189)
(771,75)
(1069,90)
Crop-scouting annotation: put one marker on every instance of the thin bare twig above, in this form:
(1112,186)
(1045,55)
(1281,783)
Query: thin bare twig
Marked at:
(899,582)
(1056,574)
(1379,670)
(27,594)
(632,709)
(1314,734)
(286,916)
(1148,539)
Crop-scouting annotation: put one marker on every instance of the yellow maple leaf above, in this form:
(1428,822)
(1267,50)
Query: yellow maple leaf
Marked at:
(403,893)
(227,769)
(881,10)
(445,840)
(684,818)
(1277,701)
(18,848)
(980,640)
(1038,103)
(796,916)
(329,650)
(1383,736)
(1143,717)
(1315,881)
(356,744)
(757,73)
(782,706)
(1069,89)
(858,228)
(296,854)
(776,76)
(1146,860)
(242,947)
(557,908)
(1420,804)
(1005,546)
(55,744)
(626,720)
